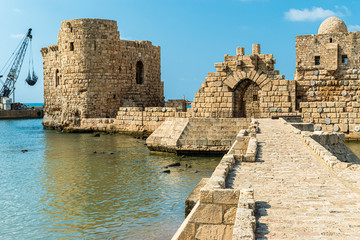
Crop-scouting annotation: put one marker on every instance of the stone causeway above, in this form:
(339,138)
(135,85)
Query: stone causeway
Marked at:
(293,189)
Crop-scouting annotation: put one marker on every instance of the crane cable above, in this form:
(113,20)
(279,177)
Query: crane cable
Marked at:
(31,78)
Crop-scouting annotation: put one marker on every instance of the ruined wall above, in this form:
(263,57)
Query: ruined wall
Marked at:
(327,66)
(151,92)
(245,86)
(180,104)
(91,73)
(133,120)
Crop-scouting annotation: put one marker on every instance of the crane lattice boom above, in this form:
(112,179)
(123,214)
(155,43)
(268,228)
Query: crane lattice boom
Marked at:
(12,76)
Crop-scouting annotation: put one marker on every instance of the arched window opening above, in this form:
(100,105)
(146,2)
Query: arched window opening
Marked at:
(139,72)
(95,45)
(57,78)
(330,40)
(71,46)
(344,59)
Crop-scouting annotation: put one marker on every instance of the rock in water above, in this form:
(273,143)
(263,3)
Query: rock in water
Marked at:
(177,164)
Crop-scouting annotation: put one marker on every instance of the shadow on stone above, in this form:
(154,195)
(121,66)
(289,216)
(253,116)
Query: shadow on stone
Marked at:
(260,211)
(259,152)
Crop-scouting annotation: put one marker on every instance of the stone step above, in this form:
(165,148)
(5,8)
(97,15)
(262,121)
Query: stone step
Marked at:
(191,126)
(223,132)
(202,135)
(218,124)
(198,142)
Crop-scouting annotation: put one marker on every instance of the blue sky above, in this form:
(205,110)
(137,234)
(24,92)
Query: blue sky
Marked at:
(193,35)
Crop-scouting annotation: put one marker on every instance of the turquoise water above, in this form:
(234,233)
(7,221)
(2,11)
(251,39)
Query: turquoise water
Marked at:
(34,104)
(60,188)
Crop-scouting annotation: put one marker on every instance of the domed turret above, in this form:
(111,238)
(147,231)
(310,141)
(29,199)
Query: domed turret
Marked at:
(332,25)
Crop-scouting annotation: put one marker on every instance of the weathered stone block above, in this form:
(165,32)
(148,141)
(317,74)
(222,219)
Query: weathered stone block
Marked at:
(214,232)
(207,213)
(226,196)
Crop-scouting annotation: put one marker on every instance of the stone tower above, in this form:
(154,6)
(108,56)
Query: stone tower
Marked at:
(90,73)
(327,77)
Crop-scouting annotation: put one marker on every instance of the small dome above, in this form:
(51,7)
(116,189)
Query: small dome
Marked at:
(332,25)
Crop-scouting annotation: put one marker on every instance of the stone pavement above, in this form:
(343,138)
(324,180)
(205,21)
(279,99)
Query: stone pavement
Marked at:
(297,196)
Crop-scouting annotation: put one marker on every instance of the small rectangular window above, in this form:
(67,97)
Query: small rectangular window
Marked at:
(57,78)
(255,98)
(72,46)
(317,60)
(344,59)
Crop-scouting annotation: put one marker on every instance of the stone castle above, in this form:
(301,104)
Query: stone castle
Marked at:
(90,73)
(93,81)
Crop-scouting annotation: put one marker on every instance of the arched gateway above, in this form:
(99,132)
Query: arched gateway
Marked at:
(245,86)
(246,99)
(247,93)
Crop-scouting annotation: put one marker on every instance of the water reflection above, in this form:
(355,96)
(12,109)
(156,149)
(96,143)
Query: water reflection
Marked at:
(119,191)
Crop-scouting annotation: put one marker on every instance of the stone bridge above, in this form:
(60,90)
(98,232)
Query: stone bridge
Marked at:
(302,185)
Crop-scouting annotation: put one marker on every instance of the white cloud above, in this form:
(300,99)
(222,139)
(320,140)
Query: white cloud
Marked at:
(354,28)
(19,35)
(316,13)
(17,10)
(347,11)
(126,38)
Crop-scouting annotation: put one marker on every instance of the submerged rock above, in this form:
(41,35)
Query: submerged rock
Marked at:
(166,171)
(177,164)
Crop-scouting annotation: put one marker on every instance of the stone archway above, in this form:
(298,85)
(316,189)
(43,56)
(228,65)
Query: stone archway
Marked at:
(246,100)
(247,88)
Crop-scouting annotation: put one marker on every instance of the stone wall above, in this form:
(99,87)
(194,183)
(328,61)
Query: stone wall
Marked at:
(21,114)
(132,120)
(327,75)
(331,149)
(180,104)
(219,208)
(90,73)
(245,86)
(221,211)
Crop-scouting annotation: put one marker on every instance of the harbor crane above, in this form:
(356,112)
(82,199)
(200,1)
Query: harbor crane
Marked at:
(13,66)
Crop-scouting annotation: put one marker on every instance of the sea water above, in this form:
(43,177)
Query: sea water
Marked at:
(59,185)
